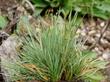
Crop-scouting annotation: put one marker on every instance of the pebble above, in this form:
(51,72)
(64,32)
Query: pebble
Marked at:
(78,31)
(103,41)
(101,58)
(102,24)
(97,35)
(84,32)
(106,55)
(92,32)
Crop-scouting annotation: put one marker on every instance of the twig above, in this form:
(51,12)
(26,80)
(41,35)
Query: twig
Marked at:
(29,3)
(101,35)
(9,26)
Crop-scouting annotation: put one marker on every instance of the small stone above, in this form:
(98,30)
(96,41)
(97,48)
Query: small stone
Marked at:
(84,32)
(30,17)
(92,32)
(78,31)
(38,30)
(102,24)
(103,41)
(97,35)
(106,55)
(101,58)
(99,52)
(96,49)
(90,40)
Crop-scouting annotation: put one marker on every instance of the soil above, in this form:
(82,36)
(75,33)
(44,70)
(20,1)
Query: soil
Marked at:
(6,5)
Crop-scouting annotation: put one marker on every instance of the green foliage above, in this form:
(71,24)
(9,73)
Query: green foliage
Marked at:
(54,54)
(3,22)
(65,6)
(98,8)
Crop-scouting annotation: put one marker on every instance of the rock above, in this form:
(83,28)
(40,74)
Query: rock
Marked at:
(8,47)
(84,32)
(106,55)
(102,24)
(9,54)
(92,32)
(97,35)
(5,5)
(7,8)
(98,50)
(3,36)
